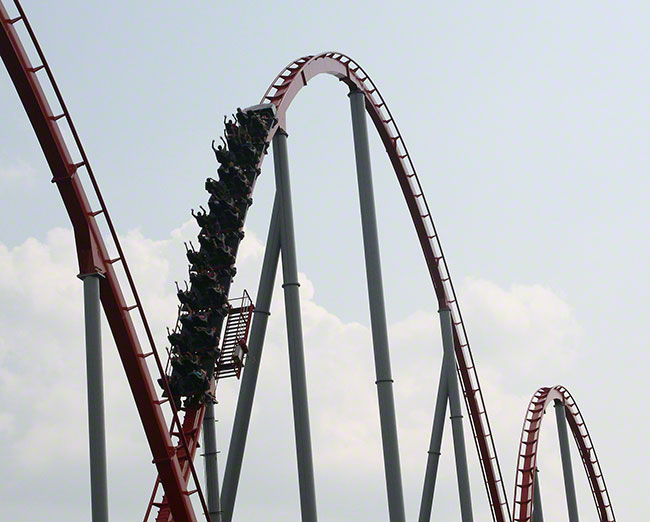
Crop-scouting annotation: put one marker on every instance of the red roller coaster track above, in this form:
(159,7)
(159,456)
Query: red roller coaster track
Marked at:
(526,464)
(171,460)
(281,93)
(94,257)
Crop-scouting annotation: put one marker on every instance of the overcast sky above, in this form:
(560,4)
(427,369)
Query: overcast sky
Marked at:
(529,127)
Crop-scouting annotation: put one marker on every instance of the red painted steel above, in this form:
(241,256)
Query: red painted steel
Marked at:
(192,424)
(173,467)
(281,93)
(193,420)
(527,461)
(93,256)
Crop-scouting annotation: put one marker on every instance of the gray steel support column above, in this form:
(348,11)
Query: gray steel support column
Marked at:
(433,458)
(456,416)
(567,466)
(294,332)
(95,379)
(538,514)
(211,465)
(384,381)
(252,368)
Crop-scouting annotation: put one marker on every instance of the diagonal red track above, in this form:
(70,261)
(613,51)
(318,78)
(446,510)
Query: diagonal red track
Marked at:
(93,255)
(192,423)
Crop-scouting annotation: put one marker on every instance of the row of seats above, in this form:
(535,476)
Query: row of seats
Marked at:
(204,302)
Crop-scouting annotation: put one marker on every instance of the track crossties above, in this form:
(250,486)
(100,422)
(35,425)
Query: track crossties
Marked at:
(195,339)
(281,93)
(527,460)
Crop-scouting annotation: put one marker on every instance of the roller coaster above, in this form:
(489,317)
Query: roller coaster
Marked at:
(202,352)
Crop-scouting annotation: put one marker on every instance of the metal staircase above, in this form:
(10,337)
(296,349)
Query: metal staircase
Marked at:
(235,337)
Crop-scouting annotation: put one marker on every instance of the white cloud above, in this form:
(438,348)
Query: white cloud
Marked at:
(7,423)
(19,172)
(42,424)
(526,327)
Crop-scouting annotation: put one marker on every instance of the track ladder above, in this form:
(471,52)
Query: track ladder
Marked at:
(93,255)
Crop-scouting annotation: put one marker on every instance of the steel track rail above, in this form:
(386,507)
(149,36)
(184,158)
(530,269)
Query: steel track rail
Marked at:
(93,256)
(192,425)
(281,93)
(528,447)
